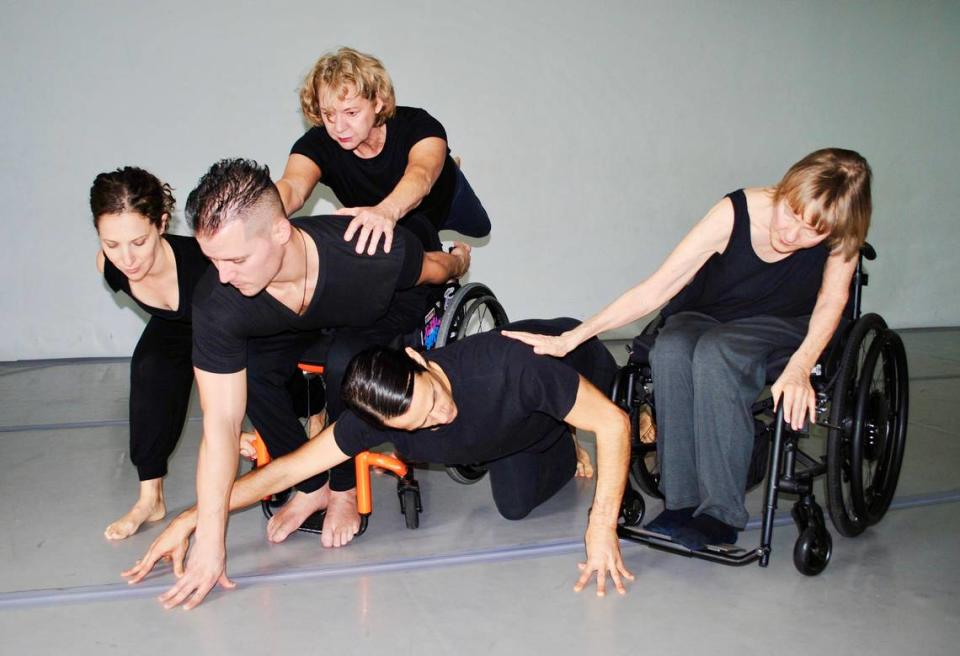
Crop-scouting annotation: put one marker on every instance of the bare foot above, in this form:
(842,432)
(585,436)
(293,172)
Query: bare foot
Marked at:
(247,449)
(316,424)
(584,464)
(342,521)
(646,428)
(289,518)
(150,507)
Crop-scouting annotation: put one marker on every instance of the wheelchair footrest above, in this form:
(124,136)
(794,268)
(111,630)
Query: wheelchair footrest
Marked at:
(314,523)
(725,554)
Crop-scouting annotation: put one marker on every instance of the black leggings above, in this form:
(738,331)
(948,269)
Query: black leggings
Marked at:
(522,481)
(161,376)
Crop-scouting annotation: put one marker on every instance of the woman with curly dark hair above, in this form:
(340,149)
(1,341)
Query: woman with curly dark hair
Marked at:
(131,211)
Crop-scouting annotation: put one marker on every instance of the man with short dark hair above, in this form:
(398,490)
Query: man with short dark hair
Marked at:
(283,285)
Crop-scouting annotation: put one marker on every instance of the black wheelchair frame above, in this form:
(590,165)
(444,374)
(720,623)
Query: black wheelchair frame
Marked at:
(861,386)
(463,310)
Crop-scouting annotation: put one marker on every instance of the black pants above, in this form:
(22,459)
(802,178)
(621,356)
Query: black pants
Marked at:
(523,480)
(161,376)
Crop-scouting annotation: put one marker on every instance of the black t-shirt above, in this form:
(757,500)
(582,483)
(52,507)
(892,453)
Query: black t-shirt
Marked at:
(737,284)
(352,291)
(497,383)
(191,265)
(359,182)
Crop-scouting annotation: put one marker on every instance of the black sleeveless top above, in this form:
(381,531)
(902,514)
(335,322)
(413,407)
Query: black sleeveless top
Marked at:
(191,265)
(737,284)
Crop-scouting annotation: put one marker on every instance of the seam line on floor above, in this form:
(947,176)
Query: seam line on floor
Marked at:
(112,591)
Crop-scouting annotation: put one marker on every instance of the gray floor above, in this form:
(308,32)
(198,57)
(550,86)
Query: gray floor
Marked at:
(467,581)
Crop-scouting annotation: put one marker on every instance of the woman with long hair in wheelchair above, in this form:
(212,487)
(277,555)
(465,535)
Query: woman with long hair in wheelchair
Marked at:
(131,211)
(766,269)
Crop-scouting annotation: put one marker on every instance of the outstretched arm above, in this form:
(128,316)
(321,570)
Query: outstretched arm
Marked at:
(424,164)
(799,399)
(709,236)
(223,399)
(592,411)
(317,455)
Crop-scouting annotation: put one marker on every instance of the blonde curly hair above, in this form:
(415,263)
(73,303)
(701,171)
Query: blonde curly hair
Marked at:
(344,72)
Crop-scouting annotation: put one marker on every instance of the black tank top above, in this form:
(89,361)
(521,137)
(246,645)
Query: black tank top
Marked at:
(737,284)
(191,265)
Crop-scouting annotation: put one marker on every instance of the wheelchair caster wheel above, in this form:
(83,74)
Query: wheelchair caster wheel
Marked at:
(409,492)
(632,509)
(466,474)
(813,549)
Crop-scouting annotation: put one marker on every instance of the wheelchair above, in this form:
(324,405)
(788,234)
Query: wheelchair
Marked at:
(862,399)
(461,311)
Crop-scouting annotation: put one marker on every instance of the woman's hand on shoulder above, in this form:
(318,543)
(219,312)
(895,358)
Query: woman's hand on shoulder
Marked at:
(101,261)
(372,223)
(553,345)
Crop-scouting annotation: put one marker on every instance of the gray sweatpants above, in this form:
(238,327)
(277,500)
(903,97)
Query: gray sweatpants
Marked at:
(706,376)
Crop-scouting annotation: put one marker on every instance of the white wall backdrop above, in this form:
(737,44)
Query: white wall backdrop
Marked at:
(595,133)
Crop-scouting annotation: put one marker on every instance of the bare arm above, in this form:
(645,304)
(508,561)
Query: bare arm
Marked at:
(709,236)
(317,455)
(299,178)
(793,384)
(439,267)
(223,399)
(424,164)
(594,412)
(100,260)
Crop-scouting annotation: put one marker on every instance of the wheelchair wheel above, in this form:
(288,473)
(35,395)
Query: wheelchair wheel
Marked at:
(472,310)
(868,421)
(812,551)
(410,507)
(466,474)
(632,508)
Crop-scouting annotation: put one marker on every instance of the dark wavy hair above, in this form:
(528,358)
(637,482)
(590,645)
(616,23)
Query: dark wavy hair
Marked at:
(378,384)
(230,187)
(131,189)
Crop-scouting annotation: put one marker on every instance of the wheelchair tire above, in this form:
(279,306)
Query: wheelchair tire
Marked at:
(879,428)
(868,418)
(473,309)
(466,474)
(410,506)
(812,551)
(632,508)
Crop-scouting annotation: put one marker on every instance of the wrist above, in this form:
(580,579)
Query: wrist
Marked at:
(389,212)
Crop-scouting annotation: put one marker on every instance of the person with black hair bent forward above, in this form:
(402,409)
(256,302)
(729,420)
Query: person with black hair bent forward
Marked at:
(484,399)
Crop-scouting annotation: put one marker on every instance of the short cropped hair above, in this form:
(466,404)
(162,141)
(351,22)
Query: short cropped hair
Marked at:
(378,384)
(131,189)
(338,72)
(831,188)
(226,191)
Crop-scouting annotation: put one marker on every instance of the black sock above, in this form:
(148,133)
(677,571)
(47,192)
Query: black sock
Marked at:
(669,520)
(716,531)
